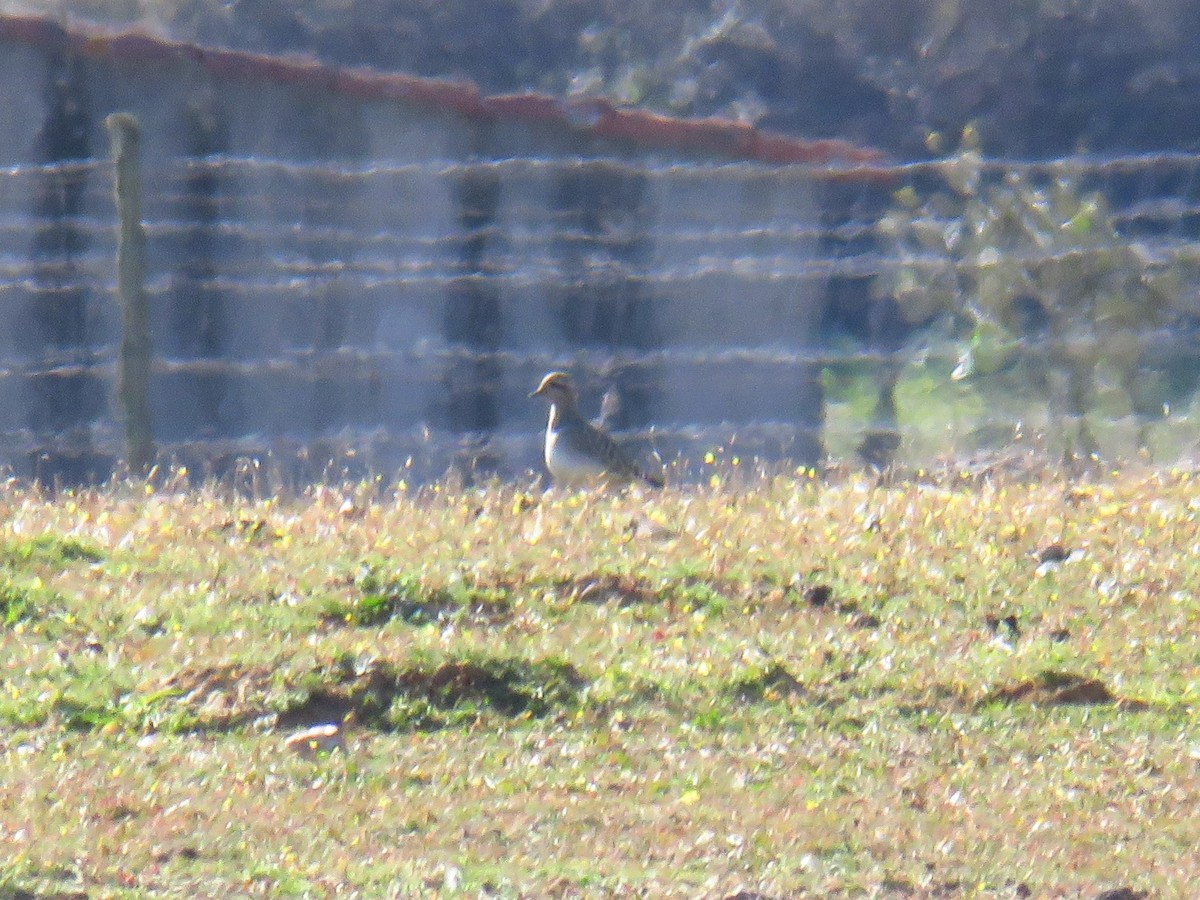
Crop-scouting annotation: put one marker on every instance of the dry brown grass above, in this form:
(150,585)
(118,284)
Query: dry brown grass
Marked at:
(763,684)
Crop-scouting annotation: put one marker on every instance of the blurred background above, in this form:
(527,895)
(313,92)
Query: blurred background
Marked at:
(921,233)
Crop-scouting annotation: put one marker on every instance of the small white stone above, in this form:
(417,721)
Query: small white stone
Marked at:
(318,739)
(147,617)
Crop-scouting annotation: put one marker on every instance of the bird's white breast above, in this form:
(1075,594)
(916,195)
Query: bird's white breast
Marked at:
(567,464)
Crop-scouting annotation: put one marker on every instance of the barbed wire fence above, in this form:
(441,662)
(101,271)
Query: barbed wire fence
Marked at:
(390,318)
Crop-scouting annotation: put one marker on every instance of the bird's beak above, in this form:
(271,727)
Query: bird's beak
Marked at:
(537,393)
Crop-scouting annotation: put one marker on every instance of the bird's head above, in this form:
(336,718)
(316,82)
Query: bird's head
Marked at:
(557,388)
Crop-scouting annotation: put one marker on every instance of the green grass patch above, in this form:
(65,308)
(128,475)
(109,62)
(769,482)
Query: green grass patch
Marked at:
(378,599)
(25,599)
(424,694)
(48,550)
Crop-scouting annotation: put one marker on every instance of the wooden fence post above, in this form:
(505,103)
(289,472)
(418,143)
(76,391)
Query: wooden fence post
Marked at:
(133,364)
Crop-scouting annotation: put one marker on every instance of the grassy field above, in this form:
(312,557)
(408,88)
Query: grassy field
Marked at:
(948,687)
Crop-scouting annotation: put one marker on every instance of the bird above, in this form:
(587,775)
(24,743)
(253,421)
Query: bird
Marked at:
(578,453)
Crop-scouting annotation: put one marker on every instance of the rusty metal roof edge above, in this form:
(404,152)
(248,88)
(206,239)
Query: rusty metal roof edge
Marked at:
(831,158)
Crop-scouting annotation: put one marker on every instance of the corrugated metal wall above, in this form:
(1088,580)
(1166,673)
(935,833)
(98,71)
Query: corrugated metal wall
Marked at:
(375,283)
